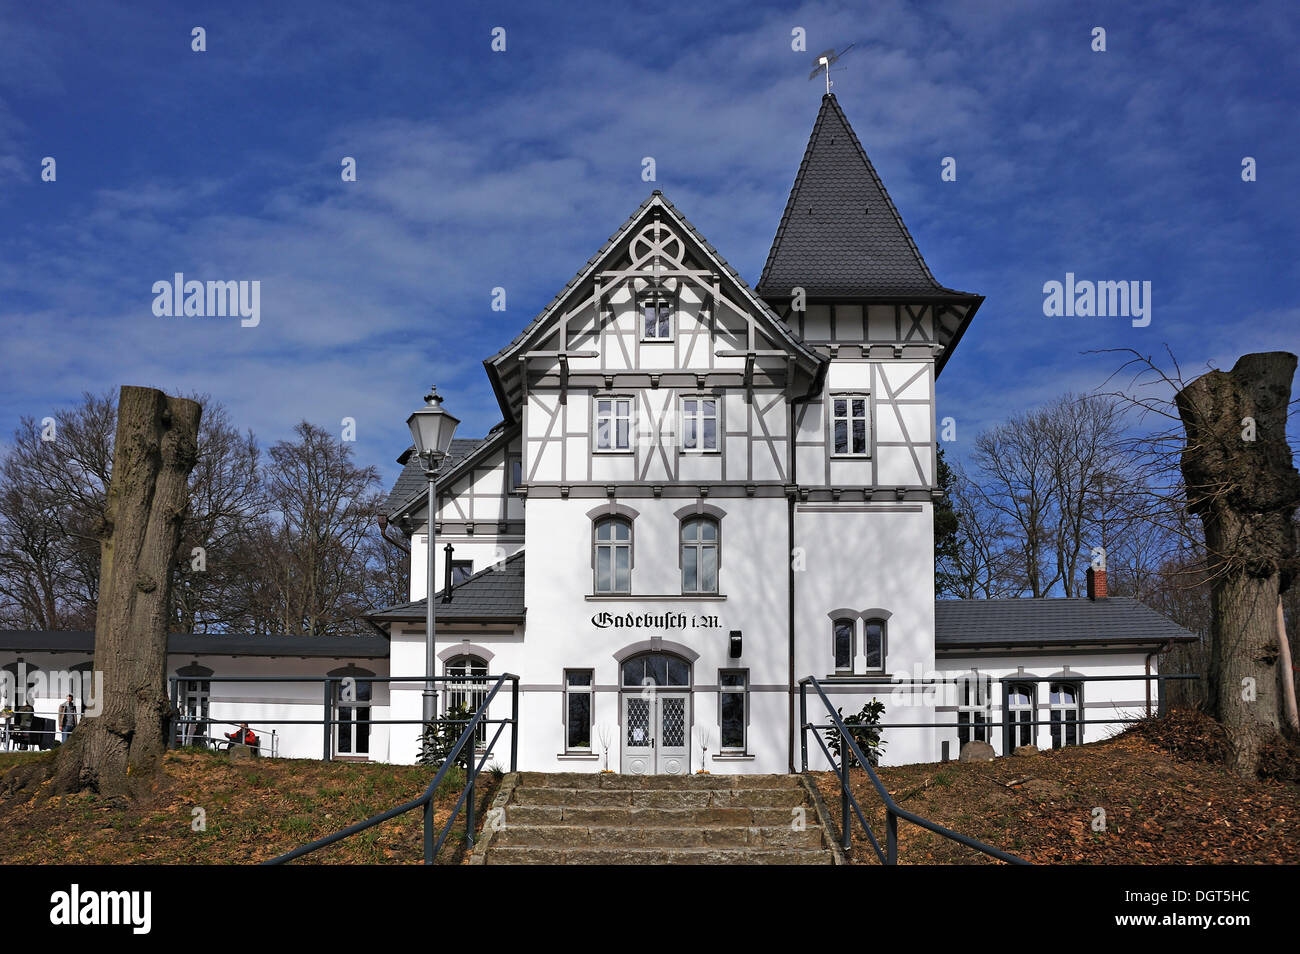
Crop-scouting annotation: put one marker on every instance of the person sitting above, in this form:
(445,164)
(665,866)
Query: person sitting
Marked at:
(242,736)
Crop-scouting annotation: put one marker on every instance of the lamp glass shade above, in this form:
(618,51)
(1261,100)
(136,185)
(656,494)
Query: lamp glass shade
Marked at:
(432,428)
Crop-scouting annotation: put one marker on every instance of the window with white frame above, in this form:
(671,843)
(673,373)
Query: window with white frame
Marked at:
(733,714)
(1065,708)
(467,686)
(974,702)
(656,319)
(195,700)
(699,424)
(461,570)
(577,709)
(613,424)
(849,428)
(843,632)
(1020,714)
(514,473)
(699,555)
(613,555)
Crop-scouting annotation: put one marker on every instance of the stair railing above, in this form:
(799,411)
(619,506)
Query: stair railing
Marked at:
(426,801)
(849,750)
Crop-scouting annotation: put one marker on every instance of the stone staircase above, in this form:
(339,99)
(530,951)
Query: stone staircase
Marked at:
(610,819)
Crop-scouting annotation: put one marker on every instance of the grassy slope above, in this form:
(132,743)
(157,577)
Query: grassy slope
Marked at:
(255,809)
(1159,808)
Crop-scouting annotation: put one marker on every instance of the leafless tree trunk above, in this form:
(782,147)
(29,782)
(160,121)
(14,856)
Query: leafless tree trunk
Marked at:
(155,449)
(1243,485)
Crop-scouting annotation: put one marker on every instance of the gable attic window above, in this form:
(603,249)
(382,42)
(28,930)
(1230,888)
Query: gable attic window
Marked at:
(657,317)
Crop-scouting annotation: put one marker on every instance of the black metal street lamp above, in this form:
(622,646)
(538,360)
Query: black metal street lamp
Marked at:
(432,429)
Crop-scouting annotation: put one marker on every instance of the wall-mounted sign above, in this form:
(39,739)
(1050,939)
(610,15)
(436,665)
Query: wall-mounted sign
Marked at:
(677,621)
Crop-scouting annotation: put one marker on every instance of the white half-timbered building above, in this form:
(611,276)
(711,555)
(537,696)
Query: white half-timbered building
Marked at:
(712,490)
(699,493)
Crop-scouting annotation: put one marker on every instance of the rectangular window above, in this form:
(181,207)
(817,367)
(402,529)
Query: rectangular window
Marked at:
(577,709)
(733,699)
(699,424)
(843,633)
(657,320)
(613,424)
(873,644)
(514,474)
(461,570)
(849,424)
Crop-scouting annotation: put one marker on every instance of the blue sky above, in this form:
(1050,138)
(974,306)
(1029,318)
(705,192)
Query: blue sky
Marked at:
(479,169)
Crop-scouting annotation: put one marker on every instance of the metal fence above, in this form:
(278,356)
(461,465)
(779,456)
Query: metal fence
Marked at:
(849,749)
(332,699)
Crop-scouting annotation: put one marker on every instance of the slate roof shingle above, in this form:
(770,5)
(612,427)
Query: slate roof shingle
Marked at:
(841,235)
(412,481)
(494,593)
(1050,622)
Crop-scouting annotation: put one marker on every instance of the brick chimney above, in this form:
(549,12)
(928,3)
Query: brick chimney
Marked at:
(1096,584)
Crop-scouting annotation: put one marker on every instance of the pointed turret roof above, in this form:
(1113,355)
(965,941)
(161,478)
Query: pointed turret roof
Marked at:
(840,236)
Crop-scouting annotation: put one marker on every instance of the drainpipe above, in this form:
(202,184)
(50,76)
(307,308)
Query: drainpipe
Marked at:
(383,532)
(789,564)
(814,392)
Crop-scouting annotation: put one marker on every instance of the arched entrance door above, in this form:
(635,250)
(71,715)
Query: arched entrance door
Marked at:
(656,710)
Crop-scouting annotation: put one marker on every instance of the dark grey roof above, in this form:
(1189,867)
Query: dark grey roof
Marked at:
(411,480)
(370,646)
(1050,622)
(840,235)
(495,593)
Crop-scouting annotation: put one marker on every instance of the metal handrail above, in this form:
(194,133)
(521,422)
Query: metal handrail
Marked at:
(425,801)
(893,811)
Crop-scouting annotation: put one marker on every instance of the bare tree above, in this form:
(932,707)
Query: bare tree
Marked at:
(317,550)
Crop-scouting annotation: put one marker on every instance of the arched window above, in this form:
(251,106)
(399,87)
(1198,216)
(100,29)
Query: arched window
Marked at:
(974,695)
(1065,702)
(352,697)
(613,555)
(700,555)
(1020,714)
(843,632)
(467,688)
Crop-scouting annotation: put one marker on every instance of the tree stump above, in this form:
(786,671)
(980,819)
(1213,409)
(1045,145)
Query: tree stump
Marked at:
(118,751)
(1243,485)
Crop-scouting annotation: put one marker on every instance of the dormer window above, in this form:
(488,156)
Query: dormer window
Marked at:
(656,318)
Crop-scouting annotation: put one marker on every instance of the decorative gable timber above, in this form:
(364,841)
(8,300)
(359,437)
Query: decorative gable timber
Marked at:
(656,245)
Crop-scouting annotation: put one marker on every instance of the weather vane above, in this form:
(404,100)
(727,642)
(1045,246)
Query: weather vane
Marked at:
(824,61)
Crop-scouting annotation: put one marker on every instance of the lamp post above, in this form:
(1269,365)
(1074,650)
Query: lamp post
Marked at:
(431,429)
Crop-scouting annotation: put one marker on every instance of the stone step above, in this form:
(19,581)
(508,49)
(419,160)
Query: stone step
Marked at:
(575,836)
(614,780)
(627,816)
(514,855)
(655,798)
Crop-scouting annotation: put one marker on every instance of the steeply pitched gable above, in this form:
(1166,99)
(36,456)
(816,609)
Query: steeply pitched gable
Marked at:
(840,236)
